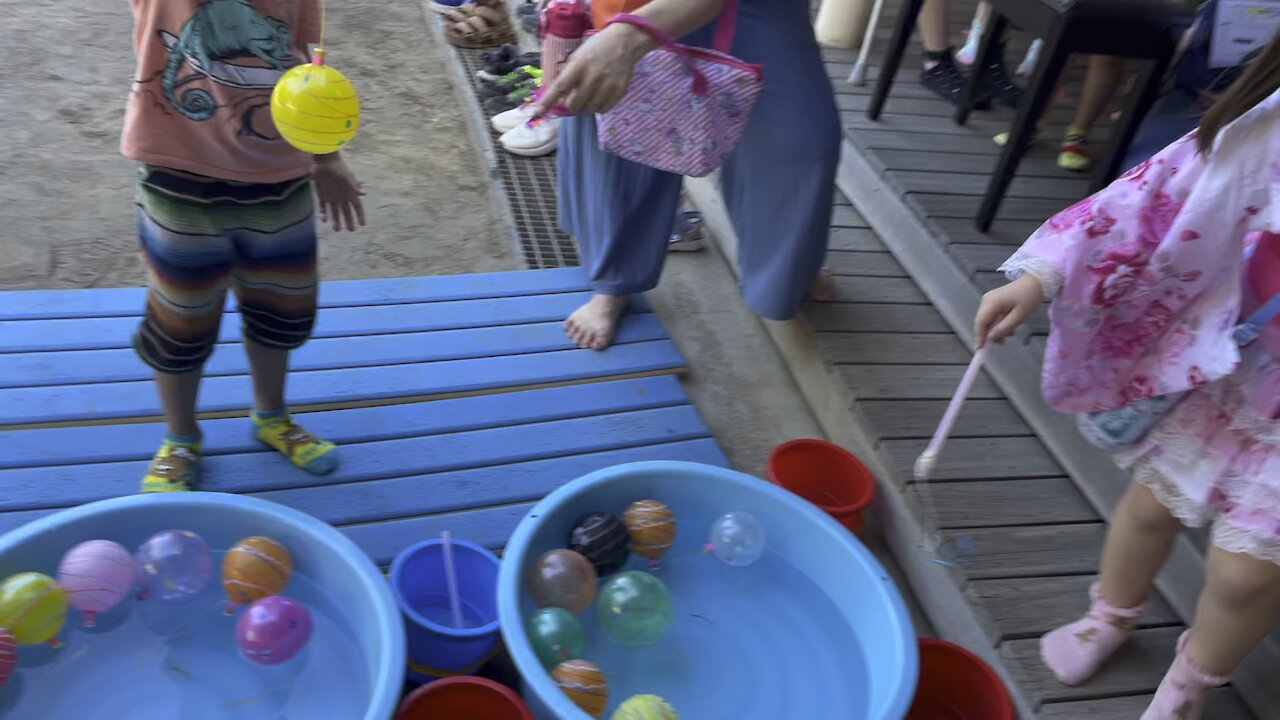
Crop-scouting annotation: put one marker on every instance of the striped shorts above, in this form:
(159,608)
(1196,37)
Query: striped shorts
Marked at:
(199,236)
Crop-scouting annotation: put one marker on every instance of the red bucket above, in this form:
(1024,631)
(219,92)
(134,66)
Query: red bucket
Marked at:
(955,684)
(826,475)
(463,698)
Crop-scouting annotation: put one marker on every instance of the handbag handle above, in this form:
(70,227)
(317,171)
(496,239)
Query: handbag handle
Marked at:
(722,41)
(701,86)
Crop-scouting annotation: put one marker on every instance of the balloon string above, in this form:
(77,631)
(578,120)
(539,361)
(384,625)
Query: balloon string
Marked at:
(323,21)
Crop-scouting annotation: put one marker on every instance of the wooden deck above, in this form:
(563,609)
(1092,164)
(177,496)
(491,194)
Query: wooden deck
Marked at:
(1020,499)
(457,401)
(1017,490)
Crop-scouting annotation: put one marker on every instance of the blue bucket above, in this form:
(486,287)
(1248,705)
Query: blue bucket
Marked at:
(436,647)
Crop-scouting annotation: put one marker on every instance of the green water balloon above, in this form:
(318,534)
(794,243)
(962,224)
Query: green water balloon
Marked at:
(556,636)
(634,608)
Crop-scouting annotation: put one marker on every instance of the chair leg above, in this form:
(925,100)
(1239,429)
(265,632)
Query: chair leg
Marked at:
(987,51)
(893,57)
(1145,92)
(1055,54)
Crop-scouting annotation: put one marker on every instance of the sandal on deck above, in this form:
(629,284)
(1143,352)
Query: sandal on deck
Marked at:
(479,26)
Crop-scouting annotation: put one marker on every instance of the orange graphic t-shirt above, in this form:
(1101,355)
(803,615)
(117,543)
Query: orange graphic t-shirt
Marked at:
(201,99)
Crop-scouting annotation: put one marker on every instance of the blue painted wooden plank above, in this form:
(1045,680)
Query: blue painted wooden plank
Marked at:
(415,495)
(72,367)
(108,333)
(67,485)
(128,302)
(75,403)
(116,443)
(487,527)
(372,503)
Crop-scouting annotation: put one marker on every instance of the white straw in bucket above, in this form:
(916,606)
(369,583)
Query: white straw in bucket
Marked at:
(451,578)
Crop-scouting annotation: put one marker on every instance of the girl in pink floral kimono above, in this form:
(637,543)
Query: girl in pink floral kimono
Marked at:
(1148,280)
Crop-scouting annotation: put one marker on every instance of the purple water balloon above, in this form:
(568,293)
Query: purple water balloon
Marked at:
(96,575)
(273,629)
(174,566)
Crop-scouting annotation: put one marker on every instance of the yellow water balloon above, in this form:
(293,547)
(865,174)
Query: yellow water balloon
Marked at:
(33,607)
(315,107)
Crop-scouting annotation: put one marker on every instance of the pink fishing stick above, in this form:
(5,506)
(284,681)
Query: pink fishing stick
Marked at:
(929,458)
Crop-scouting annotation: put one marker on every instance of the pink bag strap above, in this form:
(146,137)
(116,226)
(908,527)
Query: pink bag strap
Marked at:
(722,41)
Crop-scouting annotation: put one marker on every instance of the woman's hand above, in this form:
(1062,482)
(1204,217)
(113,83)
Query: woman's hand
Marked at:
(338,193)
(1004,309)
(598,73)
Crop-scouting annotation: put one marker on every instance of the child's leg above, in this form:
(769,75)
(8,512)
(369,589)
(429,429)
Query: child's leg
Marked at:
(276,283)
(189,263)
(969,51)
(1238,606)
(1138,540)
(1100,84)
(1140,536)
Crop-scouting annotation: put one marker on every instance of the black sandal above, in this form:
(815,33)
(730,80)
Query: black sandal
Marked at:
(947,82)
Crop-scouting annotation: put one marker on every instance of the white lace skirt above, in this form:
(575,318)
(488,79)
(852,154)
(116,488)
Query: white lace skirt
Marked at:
(1215,460)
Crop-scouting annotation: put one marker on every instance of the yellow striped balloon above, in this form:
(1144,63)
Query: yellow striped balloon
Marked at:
(585,685)
(255,568)
(33,608)
(315,107)
(651,526)
(644,707)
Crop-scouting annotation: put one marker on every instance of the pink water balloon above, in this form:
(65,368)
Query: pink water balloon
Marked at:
(96,576)
(8,656)
(273,629)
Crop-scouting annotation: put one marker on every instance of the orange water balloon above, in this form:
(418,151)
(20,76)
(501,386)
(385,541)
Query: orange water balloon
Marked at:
(255,568)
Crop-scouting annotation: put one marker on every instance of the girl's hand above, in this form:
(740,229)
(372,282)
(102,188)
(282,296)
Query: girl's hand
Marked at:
(599,72)
(1004,309)
(338,193)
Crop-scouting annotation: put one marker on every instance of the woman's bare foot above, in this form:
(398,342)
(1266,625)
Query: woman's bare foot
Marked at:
(593,325)
(823,289)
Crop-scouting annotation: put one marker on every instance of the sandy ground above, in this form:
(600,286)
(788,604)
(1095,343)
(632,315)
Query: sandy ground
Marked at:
(66,207)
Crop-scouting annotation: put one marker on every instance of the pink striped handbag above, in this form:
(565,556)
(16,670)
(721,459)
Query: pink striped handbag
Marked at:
(686,108)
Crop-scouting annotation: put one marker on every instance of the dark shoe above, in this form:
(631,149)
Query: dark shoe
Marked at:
(996,82)
(687,235)
(509,83)
(947,82)
(499,104)
(500,64)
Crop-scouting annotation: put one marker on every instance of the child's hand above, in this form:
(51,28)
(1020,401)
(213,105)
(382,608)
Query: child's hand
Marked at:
(1004,309)
(338,193)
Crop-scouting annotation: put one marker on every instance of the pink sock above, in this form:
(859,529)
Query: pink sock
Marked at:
(1075,652)
(1183,691)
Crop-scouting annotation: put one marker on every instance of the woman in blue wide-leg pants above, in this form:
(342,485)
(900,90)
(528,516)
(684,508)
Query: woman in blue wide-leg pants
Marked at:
(778,184)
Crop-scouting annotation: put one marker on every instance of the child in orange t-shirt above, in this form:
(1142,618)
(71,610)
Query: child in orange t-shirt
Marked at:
(223,201)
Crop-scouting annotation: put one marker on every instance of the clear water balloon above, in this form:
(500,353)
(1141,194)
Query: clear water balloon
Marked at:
(174,565)
(737,538)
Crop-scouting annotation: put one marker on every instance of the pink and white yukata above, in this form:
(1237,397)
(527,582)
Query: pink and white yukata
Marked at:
(1147,283)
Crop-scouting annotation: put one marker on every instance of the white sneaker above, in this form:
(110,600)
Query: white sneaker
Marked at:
(533,139)
(510,120)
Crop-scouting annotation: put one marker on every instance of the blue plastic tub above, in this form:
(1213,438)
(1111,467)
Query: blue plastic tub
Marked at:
(352,668)
(436,647)
(815,629)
